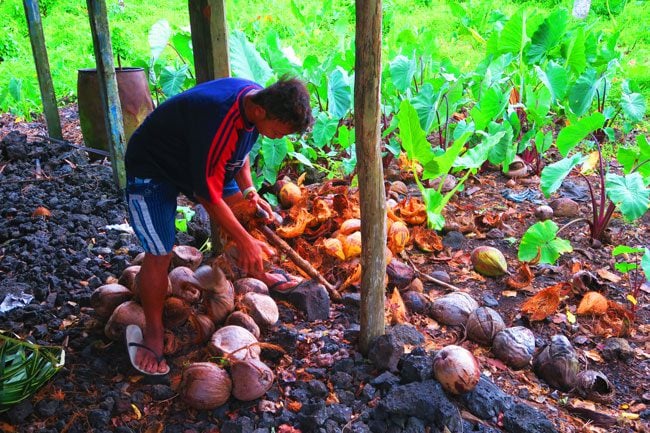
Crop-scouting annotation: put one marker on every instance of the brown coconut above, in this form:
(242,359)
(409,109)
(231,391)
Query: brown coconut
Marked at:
(251,379)
(127,313)
(245,285)
(204,386)
(184,284)
(175,312)
(234,342)
(453,309)
(127,278)
(456,369)
(186,255)
(239,318)
(203,327)
(218,295)
(106,298)
(262,308)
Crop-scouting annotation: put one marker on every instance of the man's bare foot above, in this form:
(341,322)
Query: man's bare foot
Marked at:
(146,354)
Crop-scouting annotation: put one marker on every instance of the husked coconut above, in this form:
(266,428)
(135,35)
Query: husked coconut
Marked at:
(106,298)
(557,363)
(234,342)
(514,346)
(127,278)
(204,386)
(483,324)
(127,313)
(203,327)
(184,284)
(262,308)
(248,284)
(186,255)
(453,309)
(219,294)
(251,379)
(456,369)
(239,318)
(175,312)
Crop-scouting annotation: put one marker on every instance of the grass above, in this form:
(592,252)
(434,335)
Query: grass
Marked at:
(310,28)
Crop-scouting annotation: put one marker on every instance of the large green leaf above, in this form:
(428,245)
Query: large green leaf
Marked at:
(425,105)
(513,37)
(503,151)
(553,174)
(491,105)
(413,138)
(159,35)
(402,71)
(629,194)
(441,164)
(633,106)
(324,129)
(548,35)
(541,239)
(477,155)
(171,80)
(274,152)
(282,60)
(182,43)
(582,93)
(570,136)
(246,62)
(555,78)
(339,93)
(636,158)
(576,58)
(538,104)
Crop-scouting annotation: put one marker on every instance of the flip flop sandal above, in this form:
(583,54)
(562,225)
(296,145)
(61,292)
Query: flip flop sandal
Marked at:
(275,287)
(134,342)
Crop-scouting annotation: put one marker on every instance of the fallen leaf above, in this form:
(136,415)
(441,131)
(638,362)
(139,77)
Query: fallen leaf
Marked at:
(395,309)
(594,356)
(522,278)
(156,427)
(137,412)
(509,293)
(609,276)
(544,303)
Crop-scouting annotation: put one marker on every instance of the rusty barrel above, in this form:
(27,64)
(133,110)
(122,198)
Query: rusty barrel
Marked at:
(135,100)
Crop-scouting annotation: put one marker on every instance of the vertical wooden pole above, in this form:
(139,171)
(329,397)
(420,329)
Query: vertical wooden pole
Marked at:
(108,87)
(39,51)
(367,83)
(209,39)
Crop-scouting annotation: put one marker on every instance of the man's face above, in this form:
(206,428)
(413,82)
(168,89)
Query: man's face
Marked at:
(273,128)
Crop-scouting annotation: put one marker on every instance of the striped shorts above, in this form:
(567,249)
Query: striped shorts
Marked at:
(152,211)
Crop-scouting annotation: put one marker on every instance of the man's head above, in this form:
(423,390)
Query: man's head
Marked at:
(285,106)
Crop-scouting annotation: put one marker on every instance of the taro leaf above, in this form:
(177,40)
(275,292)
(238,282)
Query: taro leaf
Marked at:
(402,71)
(570,136)
(182,43)
(159,35)
(554,174)
(324,129)
(645,263)
(246,62)
(414,141)
(629,194)
(543,142)
(576,57)
(541,238)
(555,78)
(346,137)
(502,151)
(538,103)
(624,249)
(489,107)
(636,158)
(582,93)
(339,93)
(274,152)
(301,158)
(441,164)
(434,202)
(477,155)
(513,37)
(425,104)
(633,106)
(281,62)
(547,35)
(171,80)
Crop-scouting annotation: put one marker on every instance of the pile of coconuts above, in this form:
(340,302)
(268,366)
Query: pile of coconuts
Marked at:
(202,307)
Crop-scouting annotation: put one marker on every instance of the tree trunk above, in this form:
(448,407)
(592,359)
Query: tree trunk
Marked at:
(371,177)
(581,8)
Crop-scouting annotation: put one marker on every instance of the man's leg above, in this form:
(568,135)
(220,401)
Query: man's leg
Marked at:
(152,285)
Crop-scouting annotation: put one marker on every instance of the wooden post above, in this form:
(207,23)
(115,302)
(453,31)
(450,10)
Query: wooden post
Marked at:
(108,87)
(39,51)
(371,176)
(209,39)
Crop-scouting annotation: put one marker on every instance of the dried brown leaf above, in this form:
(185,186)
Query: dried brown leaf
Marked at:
(544,303)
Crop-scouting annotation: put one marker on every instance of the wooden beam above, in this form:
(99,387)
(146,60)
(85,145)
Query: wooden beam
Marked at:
(209,39)
(108,87)
(367,112)
(39,51)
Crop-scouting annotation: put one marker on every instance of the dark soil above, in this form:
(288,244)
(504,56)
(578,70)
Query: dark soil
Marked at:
(323,384)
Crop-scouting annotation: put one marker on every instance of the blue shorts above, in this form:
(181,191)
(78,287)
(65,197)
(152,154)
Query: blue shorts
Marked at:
(152,212)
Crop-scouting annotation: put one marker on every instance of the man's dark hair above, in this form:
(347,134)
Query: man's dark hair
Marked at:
(287,100)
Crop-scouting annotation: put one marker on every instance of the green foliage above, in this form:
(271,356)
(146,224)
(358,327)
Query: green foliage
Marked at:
(540,242)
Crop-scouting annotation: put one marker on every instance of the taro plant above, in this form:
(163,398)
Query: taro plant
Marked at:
(540,244)
(627,192)
(634,268)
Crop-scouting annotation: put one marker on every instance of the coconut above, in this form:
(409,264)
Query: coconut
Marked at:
(203,327)
(398,237)
(106,298)
(186,255)
(235,342)
(175,312)
(514,346)
(204,386)
(483,324)
(289,194)
(251,379)
(456,369)
(127,313)
(399,273)
(557,363)
(594,385)
(184,284)
(262,308)
(219,295)
(350,226)
(416,302)
(245,285)
(351,245)
(453,309)
(127,278)
(489,261)
(239,318)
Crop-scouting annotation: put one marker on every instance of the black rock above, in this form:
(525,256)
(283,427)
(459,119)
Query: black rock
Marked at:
(487,400)
(522,418)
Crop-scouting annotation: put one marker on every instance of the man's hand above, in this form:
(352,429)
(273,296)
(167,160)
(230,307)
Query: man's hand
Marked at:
(251,255)
(258,202)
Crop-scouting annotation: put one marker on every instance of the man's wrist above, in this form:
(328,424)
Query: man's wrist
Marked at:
(248,192)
